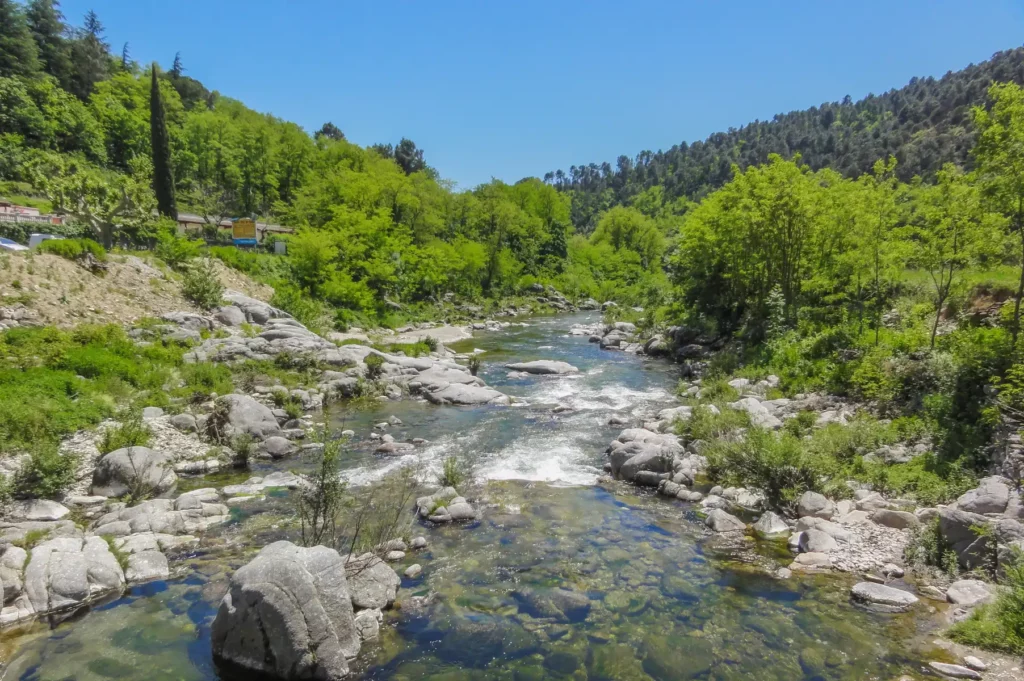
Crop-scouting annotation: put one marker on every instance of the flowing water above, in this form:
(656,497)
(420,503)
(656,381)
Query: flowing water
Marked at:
(663,601)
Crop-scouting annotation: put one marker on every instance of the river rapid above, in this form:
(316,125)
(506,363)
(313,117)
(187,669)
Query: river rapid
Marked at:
(666,601)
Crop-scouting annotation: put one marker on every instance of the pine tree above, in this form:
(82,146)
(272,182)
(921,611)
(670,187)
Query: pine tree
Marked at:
(90,56)
(18,53)
(46,23)
(163,176)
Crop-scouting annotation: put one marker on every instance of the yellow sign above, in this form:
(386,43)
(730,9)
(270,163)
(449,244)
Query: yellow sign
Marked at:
(243,228)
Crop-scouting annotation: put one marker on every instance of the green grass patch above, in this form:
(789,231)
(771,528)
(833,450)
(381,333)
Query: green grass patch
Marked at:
(998,626)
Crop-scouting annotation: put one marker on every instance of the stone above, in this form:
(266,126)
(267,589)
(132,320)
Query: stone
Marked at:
(969,593)
(771,525)
(394,556)
(413,571)
(720,521)
(543,367)
(760,416)
(146,566)
(372,583)
(129,469)
(288,614)
(893,571)
(467,395)
(277,447)
(884,597)
(992,495)
(367,624)
(65,572)
(185,423)
(974,663)
(418,543)
(954,671)
(242,414)
(900,520)
(811,562)
(37,510)
(229,315)
(815,505)
(152,412)
(816,541)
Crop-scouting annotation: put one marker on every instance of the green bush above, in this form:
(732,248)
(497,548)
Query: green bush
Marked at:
(928,548)
(203,378)
(129,432)
(201,285)
(177,250)
(73,249)
(998,626)
(452,474)
(706,425)
(45,474)
(780,466)
(718,390)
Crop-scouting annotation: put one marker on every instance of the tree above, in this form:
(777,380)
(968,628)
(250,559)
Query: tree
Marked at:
(884,253)
(46,23)
(90,56)
(126,58)
(177,69)
(949,232)
(312,255)
(999,156)
(163,176)
(408,157)
(330,131)
(18,53)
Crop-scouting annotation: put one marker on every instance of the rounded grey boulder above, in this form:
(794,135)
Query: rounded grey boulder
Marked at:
(288,614)
(883,597)
(133,469)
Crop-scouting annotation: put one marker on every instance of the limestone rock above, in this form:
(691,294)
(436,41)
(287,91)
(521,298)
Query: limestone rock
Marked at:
(885,597)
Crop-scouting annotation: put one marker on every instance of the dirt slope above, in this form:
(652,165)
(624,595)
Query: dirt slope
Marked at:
(63,293)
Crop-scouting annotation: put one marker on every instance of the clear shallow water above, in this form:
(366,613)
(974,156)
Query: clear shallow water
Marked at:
(662,601)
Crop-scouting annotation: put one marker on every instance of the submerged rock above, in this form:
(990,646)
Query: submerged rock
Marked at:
(543,367)
(288,613)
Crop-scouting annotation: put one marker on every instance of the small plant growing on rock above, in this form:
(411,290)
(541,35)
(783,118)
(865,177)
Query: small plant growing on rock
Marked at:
(46,474)
(475,363)
(201,285)
(374,366)
(120,556)
(431,343)
(320,502)
(243,446)
(453,473)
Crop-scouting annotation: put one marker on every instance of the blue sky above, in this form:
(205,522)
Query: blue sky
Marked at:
(511,89)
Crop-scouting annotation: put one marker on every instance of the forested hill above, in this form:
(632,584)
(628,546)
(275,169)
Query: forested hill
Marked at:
(924,124)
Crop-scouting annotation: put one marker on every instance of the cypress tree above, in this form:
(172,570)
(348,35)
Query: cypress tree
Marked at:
(163,176)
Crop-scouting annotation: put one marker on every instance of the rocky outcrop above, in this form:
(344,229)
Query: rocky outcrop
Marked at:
(288,614)
(191,513)
(994,505)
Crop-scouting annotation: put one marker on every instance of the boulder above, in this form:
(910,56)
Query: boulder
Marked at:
(771,525)
(288,614)
(468,395)
(133,469)
(240,414)
(543,367)
(229,315)
(760,416)
(899,520)
(67,571)
(720,521)
(371,582)
(185,423)
(816,541)
(883,597)
(992,495)
(277,447)
(837,532)
(969,593)
(815,505)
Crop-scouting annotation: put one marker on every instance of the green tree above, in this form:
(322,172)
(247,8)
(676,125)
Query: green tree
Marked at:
(90,57)
(18,53)
(312,255)
(999,156)
(163,176)
(46,23)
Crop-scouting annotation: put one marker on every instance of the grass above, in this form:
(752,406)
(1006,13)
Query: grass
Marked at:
(453,473)
(120,556)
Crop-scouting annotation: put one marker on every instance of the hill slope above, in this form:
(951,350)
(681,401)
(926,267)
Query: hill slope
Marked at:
(923,124)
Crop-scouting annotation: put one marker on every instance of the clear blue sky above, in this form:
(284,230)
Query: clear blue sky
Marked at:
(511,89)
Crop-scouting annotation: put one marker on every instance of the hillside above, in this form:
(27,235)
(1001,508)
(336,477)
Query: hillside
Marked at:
(924,124)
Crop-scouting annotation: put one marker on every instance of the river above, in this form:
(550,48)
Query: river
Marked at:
(665,601)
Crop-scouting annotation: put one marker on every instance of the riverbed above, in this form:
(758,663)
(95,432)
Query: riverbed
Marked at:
(664,600)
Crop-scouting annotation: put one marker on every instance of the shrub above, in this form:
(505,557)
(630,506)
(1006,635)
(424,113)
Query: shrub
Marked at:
(998,626)
(718,390)
(780,466)
(204,378)
(73,249)
(45,474)
(928,548)
(475,364)
(374,366)
(452,474)
(243,446)
(130,432)
(320,502)
(706,425)
(431,343)
(201,285)
(177,250)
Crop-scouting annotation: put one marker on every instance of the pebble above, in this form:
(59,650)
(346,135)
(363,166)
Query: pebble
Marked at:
(975,664)
(418,543)
(954,670)
(394,556)
(413,571)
